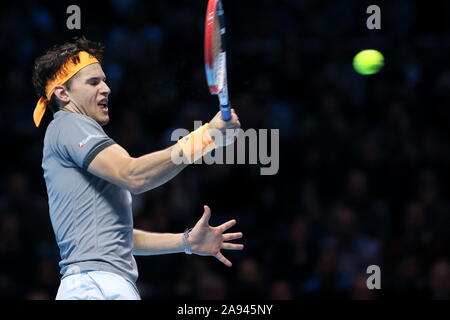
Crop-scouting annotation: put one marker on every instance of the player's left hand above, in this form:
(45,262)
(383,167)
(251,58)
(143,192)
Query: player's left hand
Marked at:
(206,240)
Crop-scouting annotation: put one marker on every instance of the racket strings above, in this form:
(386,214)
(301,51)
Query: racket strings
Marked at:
(217,42)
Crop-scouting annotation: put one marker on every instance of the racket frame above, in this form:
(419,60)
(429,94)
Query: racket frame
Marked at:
(215,68)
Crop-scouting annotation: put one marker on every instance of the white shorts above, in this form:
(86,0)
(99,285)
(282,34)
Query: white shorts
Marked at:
(96,285)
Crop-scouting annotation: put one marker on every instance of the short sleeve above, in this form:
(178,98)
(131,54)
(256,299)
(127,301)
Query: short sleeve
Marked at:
(80,139)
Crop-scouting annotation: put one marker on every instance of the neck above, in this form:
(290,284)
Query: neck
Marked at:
(72,107)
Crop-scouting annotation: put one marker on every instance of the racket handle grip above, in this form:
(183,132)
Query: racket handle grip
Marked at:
(226,112)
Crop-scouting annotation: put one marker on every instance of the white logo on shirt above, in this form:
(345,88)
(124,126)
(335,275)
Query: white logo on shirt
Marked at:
(89,137)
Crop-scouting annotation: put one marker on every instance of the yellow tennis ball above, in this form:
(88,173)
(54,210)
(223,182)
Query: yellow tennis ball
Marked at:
(368,62)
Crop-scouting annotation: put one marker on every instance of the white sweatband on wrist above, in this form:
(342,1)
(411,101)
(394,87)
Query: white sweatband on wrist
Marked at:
(187,245)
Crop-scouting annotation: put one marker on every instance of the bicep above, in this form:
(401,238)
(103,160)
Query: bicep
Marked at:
(112,164)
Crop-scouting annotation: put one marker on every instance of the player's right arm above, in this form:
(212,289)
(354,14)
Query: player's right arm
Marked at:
(137,175)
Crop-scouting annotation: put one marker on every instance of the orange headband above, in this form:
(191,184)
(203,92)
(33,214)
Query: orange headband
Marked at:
(67,71)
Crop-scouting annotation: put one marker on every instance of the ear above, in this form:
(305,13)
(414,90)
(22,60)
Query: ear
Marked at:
(61,93)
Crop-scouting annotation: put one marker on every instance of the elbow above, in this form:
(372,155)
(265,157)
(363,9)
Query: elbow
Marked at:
(131,181)
(135,187)
(138,183)
(135,191)
(138,190)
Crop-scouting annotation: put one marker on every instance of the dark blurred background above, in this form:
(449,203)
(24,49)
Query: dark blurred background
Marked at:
(364,160)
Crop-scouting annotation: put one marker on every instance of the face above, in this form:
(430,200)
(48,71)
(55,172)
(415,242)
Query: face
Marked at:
(89,93)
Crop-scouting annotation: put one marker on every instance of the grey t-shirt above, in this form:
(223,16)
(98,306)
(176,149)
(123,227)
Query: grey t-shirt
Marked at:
(91,217)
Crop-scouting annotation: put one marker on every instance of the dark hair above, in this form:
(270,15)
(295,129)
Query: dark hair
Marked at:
(46,66)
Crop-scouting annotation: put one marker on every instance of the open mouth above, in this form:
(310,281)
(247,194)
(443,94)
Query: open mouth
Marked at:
(103,104)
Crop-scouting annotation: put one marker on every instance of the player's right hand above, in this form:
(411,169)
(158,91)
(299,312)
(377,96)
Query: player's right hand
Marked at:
(224,132)
(219,124)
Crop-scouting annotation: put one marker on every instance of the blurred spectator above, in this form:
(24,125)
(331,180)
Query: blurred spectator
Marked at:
(359,289)
(281,290)
(211,287)
(294,258)
(250,283)
(355,251)
(408,280)
(440,280)
(373,213)
(326,282)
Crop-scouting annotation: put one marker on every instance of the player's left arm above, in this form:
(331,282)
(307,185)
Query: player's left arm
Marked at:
(204,240)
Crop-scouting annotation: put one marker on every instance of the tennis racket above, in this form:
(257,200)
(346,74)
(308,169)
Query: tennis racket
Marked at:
(215,56)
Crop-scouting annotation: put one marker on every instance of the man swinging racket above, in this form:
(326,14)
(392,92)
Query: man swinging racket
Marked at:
(89,179)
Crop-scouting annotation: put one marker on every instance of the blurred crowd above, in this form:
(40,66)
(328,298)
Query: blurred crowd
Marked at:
(364,160)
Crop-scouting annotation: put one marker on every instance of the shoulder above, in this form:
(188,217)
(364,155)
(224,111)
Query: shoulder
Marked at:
(69,122)
(65,118)
(69,128)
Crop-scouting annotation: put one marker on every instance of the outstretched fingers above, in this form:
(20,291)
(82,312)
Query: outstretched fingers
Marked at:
(232,246)
(227,225)
(222,259)
(232,236)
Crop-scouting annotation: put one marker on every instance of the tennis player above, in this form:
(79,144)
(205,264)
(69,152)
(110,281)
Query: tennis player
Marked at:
(90,178)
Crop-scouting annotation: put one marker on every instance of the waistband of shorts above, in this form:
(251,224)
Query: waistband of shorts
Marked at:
(86,266)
